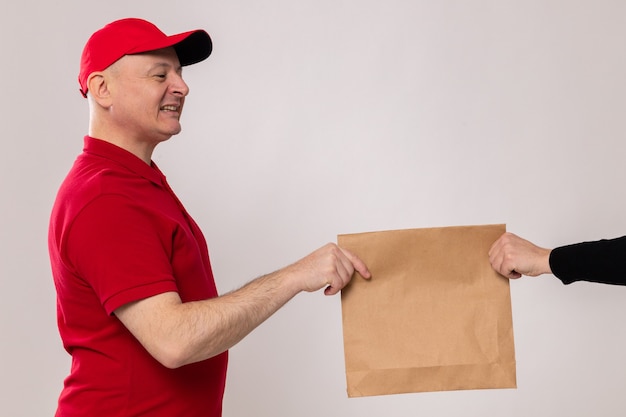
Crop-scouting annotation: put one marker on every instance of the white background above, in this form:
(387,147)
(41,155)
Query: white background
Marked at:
(319,117)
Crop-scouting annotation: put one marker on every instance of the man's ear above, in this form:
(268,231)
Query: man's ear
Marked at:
(97,82)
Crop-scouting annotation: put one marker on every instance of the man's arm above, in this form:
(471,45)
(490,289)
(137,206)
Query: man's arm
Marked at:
(177,333)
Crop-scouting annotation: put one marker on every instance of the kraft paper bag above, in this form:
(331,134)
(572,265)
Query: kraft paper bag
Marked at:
(433,317)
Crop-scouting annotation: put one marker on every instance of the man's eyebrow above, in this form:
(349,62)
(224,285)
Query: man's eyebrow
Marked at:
(165,65)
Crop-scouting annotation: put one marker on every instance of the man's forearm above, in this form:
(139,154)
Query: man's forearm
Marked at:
(177,333)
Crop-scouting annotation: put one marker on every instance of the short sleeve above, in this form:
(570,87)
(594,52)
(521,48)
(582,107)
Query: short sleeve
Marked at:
(121,250)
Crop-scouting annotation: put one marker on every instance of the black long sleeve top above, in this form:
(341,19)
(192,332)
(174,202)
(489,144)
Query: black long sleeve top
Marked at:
(599,261)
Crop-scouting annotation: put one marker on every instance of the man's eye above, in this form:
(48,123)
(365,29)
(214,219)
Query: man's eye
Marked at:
(160,76)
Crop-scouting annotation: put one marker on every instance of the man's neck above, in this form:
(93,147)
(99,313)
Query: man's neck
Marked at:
(142,149)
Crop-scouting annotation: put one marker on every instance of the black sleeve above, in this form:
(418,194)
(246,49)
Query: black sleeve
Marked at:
(600,261)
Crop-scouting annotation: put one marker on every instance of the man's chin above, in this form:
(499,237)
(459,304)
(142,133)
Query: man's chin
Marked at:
(173,131)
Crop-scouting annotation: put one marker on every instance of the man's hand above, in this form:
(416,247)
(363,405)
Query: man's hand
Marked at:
(330,266)
(513,257)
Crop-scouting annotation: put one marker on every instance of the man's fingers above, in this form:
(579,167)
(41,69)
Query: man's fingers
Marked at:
(346,263)
(357,263)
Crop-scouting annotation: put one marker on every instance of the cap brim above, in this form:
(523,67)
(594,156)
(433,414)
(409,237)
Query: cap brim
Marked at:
(194,48)
(191,47)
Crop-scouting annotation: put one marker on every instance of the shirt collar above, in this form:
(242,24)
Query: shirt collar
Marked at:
(125,158)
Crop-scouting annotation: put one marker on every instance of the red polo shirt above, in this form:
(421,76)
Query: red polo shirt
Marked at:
(119,234)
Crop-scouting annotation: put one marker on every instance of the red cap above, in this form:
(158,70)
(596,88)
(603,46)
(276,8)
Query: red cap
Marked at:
(133,36)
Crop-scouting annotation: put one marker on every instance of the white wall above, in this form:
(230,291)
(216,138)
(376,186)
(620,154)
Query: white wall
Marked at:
(319,117)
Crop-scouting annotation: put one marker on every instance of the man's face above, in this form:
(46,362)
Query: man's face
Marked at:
(148,93)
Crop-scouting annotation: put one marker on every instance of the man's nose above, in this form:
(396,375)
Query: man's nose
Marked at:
(180,87)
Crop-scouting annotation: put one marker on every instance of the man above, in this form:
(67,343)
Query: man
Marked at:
(598,261)
(137,305)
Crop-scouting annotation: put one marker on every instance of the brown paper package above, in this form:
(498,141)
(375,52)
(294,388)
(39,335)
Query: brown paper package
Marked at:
(433,317)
